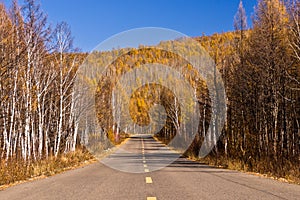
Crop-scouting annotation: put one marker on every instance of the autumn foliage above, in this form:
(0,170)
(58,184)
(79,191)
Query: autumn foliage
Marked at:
(260,68)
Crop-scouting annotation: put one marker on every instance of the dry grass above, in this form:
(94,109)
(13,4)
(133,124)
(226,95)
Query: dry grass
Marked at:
(288,173)
(18,171)
(13,171)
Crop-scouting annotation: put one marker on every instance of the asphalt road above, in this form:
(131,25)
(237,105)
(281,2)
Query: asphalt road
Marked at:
(182,180)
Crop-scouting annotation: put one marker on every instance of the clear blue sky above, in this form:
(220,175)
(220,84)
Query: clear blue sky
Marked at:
(94,21)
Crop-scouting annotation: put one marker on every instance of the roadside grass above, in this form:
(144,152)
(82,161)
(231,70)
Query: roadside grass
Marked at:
(18,171)
(288,173)
(282,170)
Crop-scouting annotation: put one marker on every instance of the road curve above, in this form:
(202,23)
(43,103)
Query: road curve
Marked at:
(183,179)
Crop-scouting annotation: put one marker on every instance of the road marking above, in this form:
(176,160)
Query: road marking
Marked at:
(145,165)
(151,198)
(144,158)
(146,170)
(148,180)
(144,161)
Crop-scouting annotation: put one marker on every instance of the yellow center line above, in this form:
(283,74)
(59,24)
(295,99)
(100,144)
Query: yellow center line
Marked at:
(151,198)
(145,165)
(144,161)
(146,170)
(149,180)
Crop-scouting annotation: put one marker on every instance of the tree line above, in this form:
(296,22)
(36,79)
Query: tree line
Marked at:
(261,71)
(37,69)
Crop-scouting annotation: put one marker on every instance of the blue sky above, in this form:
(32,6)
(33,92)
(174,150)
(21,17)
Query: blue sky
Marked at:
(94,21)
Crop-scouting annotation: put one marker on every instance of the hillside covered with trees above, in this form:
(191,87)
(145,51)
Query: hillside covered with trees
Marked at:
(260,70)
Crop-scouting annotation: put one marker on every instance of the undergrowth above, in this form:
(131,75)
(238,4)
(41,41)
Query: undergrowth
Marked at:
(288,172)
(12,171)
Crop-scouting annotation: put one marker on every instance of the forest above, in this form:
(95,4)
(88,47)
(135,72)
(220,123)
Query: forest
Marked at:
(37,71)
(260,68)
